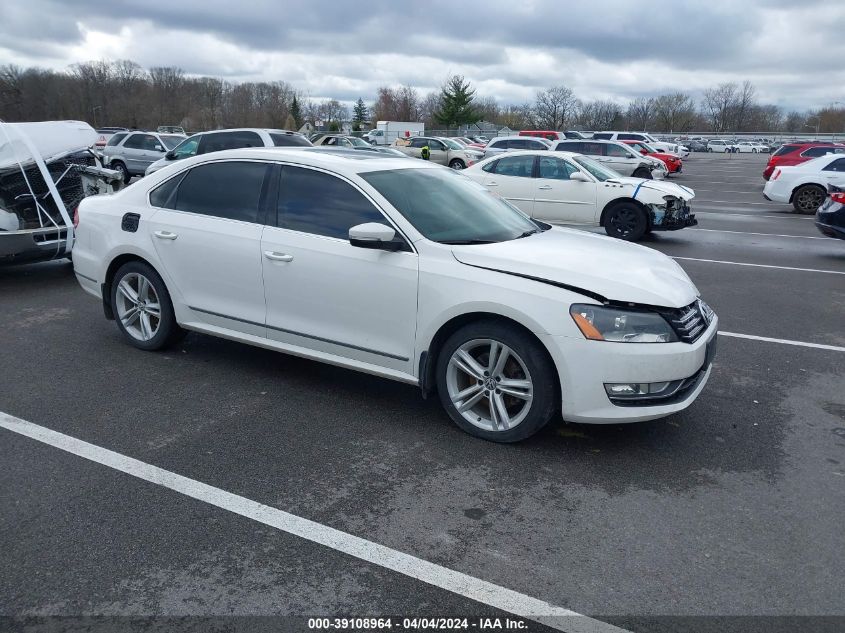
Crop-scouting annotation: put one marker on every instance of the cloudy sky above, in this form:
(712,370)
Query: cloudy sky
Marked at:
(792,50)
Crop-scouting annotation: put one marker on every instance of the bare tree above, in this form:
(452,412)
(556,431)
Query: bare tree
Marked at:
(600,115)
(745,102)
(640,114)
(555,107)
(718,104)
(674,112)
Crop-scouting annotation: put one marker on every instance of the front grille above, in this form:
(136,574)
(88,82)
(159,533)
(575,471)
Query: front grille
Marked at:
(688,322)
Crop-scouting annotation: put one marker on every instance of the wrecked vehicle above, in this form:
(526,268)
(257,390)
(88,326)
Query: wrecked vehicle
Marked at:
(46,169)
(573,189)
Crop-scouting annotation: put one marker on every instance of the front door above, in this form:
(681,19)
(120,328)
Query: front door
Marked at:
(559,199)
(324,294)
(513,179)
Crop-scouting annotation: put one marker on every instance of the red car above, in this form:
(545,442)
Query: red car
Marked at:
(797,153)
(673,163)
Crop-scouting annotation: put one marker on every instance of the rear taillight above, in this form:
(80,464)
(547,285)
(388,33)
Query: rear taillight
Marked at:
(76,217)
(839,197)
(776,175)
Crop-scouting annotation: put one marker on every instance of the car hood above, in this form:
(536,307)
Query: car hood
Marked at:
(654,190)
(590,263)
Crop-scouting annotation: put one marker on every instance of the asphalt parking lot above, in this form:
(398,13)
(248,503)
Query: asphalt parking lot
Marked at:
(726,517)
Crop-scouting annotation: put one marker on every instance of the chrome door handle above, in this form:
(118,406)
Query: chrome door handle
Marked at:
(278,257)
(165,235)
(544,187)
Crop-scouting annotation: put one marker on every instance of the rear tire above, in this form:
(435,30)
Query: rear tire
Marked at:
(626,221)
(142,307)
(465,376)
(457,164)
(808,198)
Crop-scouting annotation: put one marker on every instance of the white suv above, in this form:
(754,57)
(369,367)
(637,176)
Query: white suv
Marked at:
(671,148)
(405,270)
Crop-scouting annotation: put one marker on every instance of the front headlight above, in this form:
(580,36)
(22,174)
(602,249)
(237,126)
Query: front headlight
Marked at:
(605,323)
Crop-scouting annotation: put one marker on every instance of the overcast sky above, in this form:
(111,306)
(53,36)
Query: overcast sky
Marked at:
(792,50)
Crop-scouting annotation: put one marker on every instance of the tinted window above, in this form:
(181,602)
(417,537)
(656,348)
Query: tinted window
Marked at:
(593,149)
(498,144)
(114,140)
(603,135)
(490,167)
(533,144)
(519,166)
(229,140)
(629,137)
(288,140)
(163,195)
(140,141)
(314,202)
(229,189)
(570,147)
(837,165)
(420,143)
(519,143)
(556,168)
(815,152)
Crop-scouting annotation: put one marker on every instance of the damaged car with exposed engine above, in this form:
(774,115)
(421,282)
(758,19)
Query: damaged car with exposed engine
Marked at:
(573,189)
(46,169)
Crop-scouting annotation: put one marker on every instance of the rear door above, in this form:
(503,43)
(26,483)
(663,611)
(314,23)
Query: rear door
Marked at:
(138,151)
(619,159)
(512,177)
(834,173)
(439,152)
(207,232)
(559,199)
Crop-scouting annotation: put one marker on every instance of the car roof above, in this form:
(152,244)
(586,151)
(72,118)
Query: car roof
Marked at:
(529,152)
(335,159)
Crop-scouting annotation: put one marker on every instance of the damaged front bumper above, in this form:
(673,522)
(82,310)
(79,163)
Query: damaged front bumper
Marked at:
(673,215)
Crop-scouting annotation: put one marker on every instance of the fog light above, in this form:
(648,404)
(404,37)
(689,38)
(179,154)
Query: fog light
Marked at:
(636,389)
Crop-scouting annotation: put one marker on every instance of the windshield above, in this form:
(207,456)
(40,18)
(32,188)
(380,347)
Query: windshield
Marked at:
(171,141)
(452,144)
(450,208)
(647,148)
(599,171)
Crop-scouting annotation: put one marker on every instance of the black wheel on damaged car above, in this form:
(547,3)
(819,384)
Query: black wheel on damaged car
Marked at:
(142,307)
(626,221)
(124,172)
(808,198)
(496,381)
(642,172)
(457,164)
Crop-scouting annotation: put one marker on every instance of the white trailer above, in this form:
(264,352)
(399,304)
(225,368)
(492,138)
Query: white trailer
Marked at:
(386,132)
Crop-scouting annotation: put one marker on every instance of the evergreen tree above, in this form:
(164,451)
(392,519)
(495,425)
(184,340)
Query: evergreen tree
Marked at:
(296,112)
(456,107)
(360,114)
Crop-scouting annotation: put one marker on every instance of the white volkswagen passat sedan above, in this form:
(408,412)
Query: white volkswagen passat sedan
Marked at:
(402,269)
(572,188)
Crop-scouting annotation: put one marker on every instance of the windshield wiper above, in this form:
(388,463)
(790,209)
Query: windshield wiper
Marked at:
(527,233)
(466,242)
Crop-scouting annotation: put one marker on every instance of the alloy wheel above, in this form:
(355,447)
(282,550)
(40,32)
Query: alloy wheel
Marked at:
(489,385)
(809,199)
(138,307)
(625,221)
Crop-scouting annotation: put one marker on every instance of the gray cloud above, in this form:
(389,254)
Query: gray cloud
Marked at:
(613,49)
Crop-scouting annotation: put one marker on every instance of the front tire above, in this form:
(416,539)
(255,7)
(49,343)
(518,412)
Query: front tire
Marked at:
(641,172)
(142,307)
(457,164)
(808,198)
(496,381)
(124,172)
(626,221)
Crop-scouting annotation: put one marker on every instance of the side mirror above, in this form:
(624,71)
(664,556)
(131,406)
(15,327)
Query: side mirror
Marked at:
(170,155)
(643,152)
(580,177)
(375,235)
(159,148)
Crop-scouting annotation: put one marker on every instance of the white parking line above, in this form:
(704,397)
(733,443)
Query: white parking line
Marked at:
(755,215)
(783,341)
(454,581)
(801,237)
(734,202)
(719,261)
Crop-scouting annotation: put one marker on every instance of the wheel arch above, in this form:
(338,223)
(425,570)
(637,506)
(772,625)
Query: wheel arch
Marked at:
(429,357)
(617,201)
(805,184)
(111,271)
